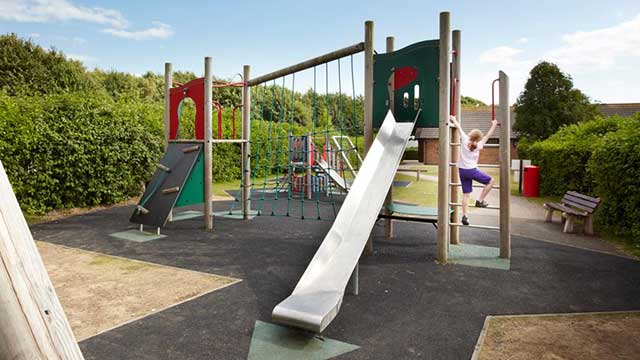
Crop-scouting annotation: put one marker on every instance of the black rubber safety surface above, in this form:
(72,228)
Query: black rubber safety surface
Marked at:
(409,306)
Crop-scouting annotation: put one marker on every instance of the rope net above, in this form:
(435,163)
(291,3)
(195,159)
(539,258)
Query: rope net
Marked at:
(303,163)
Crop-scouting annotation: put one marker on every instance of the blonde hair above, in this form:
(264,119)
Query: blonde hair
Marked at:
(474,138)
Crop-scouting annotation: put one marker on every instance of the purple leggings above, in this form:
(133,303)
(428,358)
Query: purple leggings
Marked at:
(468,175)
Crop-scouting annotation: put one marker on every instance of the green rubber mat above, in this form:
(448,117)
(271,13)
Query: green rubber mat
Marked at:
(270,341)
(412,210)
(235,214)
(184,215)
(478,256)
(137,235)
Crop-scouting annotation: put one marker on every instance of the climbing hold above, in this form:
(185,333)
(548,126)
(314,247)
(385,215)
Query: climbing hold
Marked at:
(164,168)
(171,190)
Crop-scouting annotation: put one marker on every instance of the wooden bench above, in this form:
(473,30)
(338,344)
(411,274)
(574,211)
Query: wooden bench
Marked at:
(573,206)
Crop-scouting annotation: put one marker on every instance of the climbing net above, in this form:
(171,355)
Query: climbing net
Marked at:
(303,164)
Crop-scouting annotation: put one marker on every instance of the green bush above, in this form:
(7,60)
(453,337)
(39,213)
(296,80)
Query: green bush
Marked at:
(71,150)
(563,157)
(615,170)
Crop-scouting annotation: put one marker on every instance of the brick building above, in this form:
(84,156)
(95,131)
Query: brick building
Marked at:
(480,118)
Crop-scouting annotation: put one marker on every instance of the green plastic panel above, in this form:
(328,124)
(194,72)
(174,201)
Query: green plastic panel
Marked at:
(193,191)
(423,57)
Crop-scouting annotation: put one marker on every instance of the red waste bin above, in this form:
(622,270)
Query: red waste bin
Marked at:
(531,181)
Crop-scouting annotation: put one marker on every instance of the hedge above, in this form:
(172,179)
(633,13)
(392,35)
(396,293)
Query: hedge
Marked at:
(615,170)
(563,157)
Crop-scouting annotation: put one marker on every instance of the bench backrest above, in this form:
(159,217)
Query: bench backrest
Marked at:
(579,201)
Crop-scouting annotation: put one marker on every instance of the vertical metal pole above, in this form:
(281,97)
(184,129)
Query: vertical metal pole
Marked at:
(520,176)
(368,98)
(443,143)
(307,177)
(246,145)
(208,151)
(505,163)
(388,223)
(455,136)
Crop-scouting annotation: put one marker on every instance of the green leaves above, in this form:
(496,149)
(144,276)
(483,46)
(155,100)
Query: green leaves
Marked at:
(548,102)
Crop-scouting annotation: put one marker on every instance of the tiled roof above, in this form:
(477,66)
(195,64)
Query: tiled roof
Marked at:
(480,118)
(628,109)
(472,118)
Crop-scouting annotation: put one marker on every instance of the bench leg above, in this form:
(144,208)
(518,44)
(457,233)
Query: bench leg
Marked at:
(588,225)
(549,215)
(569,223)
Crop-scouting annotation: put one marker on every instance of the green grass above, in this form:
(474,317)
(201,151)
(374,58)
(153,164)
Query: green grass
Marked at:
(423,193)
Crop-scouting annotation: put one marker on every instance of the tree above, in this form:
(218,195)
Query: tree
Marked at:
(548,102)
(468,101)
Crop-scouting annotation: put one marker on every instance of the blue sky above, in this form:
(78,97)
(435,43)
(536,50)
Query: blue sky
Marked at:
(598,43)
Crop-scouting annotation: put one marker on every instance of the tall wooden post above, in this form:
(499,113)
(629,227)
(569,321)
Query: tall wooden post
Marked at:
(32,322)
(443,143)
(368,98)
(246,145)
(168,82)
(455,137)
(505,164)
(208,150)
(388,223)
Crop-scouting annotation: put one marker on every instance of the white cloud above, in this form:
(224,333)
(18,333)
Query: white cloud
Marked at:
(598,49)
(58,10)
(159,31)
(34,35)
(81,58)
(500,55)
(64,10)
(523,40)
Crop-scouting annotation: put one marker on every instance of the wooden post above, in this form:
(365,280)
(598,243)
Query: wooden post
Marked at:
(246,146)
(208,150)
(443,143)
(455,138)
(388,201)
(32,322)
(505,164)
(368,99)
(168,83)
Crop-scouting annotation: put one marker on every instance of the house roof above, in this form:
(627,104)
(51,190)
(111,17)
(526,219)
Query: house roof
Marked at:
(472,118)
(622,109)
(480,118)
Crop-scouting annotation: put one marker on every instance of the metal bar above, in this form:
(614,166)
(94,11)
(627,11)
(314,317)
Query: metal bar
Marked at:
(186,141)
(408,218)
(443,134)
(246,146)
(520,177)
(368,100)
(334,55)
(485,145)
(476,226)
(505,162)
(228,141)
(486,207)
(474,185)
(480,165)
(208,149)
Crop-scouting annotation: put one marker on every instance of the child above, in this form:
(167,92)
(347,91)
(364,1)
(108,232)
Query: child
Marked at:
(470,146)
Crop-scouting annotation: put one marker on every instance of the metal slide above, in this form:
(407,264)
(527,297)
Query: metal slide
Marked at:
(333,174)
(316,300)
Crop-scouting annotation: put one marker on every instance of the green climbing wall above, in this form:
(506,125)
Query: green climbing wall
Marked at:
(420,64)
(193,192)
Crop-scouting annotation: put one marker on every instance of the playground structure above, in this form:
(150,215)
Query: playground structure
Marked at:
(417,86)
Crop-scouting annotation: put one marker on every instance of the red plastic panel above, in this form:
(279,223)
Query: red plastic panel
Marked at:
(194,90)
(404,76)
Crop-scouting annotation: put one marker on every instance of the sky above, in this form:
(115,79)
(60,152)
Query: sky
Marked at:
(596,42)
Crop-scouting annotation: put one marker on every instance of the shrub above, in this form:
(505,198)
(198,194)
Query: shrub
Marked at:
(615,170)
(73,150)
(563,157)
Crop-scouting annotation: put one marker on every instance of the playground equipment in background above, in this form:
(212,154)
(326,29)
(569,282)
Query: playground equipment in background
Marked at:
(412,86)
(184,171)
